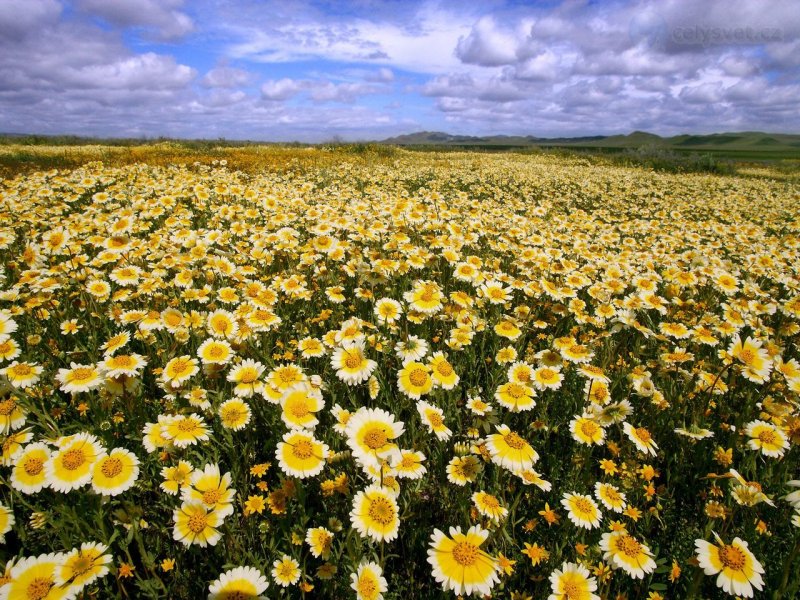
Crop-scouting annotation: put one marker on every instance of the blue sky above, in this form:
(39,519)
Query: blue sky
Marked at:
(367,69)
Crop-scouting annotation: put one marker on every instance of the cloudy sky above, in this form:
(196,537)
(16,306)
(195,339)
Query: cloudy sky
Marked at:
(310,70)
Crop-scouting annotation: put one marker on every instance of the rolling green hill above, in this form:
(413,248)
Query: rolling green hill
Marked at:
(746,143)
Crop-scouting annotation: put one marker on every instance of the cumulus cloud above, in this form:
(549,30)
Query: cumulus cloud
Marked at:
(487,46)
(226,77)
(19,17)
(144,71)
(545,66)
(311,69)
(382,75)
(160,16)
(66,75)
(423,41)
(282,89)
(664,66)
(327,91)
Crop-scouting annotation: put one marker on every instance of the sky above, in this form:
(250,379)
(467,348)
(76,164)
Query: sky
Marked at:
(318,70)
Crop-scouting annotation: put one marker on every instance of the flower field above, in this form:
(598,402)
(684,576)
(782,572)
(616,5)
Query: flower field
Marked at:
(417,375)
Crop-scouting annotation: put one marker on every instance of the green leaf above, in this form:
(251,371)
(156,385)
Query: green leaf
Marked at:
(658,587)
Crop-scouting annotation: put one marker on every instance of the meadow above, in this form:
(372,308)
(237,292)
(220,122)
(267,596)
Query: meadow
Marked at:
(366,372)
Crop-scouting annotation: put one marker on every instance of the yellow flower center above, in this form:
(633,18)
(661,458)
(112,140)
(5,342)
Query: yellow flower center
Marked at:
(7,407)
(173,319)
(767,436)
(122,361)
(732,557)
(236,595)
(514,441)
(643,435)
(299,409)
(523,375)
(582,505)
(197,522)
(82,374)
(571,590)
(515,390)
(21,370)
(746,356)
(186,426)
(444,369)
(435,419)
(73,459)
(418,377)
(111,467)
(287,376)
(286,570)
(367,587)
(211,497)
(33,466)
(216,351)
(629,546)
(589,428)
(303,449)
(465,554)
(180,367)
(465,469)
(426,295)
(39,588)
(381,511)
(353,360)
(81,564)
(375,438)
(490,502)
(248,375)
(547,375)
(221,325)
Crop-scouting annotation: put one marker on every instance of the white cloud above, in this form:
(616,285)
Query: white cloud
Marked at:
(226,77)
(569,67)
(328,91)
(141,72)
(739,66)
(382,75)
(487,45)
(427,46)
(162,16)
(618,65)
(281,89)
(19,17)
(224,98)
(544,66)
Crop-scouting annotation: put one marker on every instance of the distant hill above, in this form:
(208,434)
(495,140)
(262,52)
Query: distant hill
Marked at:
(746,142)
(440,138)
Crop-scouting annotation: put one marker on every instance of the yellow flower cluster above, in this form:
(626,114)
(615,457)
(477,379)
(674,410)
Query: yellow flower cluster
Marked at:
(398,371)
